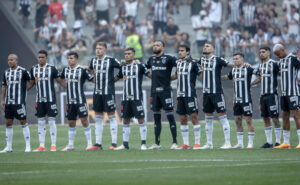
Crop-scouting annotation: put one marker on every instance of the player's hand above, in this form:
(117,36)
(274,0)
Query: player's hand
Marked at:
(136,61)
(247,65)
(3,105)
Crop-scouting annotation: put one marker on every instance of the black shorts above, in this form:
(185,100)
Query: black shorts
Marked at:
(104,103)
(213,102)
(132,108)
(162,100)
(46,109)
(288,103)
(269,106)
(158,25)
(244,109)
(25,10)
(187,105)
(74,110)
(15,111)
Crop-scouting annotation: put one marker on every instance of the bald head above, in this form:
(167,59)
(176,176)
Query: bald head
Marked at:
(12,61)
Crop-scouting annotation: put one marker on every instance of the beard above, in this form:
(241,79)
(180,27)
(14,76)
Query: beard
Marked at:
(156,51)
(206,52)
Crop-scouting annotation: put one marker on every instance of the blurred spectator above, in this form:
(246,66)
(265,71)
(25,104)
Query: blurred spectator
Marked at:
(144,29)
(286,36)
(171,35)
(44,34)
(276,38)
(184,39)
(233,38)
(79,10)
(246,45)
(248,16)
(101,33)
(78,32)
(89,13)
(66,39)
(286,5)
(118,31)
(219,42)
(25,10)
(293,21)
(215,13)
(41,13)
(53,50)
(102,10)
(65,4)
(202,27)
(133,40)
(260,38)
(56,26)
(131,7)
(81,49)
(196,6)
(14,5)
(234,7)
(63,55)
(160,15)
(122,13)
(262,22)
(149,5)
(172,3)
(55,8)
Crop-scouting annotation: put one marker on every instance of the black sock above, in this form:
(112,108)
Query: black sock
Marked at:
(157,128)
(126,145)
(173,129)
(143,142)
(114,144)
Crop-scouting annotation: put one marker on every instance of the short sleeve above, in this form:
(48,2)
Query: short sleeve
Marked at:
(230,76)
(26,75)
(197,68)
(116,63)
(62,74)
(91,64)
(223,62)
(4,80)
(250,70)
(120,74)
(55,73)
(87,75)
(145,70)
(31,74)
(148,64)
(172,61)
(296,62)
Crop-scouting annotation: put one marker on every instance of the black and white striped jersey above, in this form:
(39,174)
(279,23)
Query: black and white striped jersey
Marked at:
(15,82)
(161,69)
(133,78)
(248,12)
(187,72)
(268,71)
(289,67)
(44,81)
(104,74)
(211,68)
(241,77)
(75,78)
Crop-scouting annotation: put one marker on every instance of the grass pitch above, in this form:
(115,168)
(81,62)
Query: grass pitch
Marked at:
(240,167)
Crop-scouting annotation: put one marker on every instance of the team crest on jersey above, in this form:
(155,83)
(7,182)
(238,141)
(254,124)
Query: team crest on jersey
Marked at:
(164,60)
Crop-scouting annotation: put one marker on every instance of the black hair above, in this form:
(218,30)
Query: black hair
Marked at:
(240,54)
(43,52)
(130,49)
(72,53)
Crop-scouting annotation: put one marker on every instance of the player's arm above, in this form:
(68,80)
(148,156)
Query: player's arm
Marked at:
(61,82)
(256,81)
(3,90)
(174,76)
(30,85)
(224,77)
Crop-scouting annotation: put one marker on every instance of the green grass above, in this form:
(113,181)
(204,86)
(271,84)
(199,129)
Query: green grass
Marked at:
(240,167)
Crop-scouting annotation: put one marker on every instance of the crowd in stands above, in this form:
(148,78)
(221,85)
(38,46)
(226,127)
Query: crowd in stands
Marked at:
(232,25)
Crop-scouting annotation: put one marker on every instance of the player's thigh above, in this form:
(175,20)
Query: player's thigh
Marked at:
(20,112)
(138,108)
(9,113)
(247,109)
(82,110)
(126,110)
(71,112)
(109,103)
(181,110)
(207,104)
(237,109)
(273,106)
(284,103)
(51,109)
(191,105)
(219,103)
(293,102)
(98,103)
(263,105)
(166,99)
(40,109)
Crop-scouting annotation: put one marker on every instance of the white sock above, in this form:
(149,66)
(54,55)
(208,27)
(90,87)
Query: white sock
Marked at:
(226,128)
(240,138)
(9,136)
(113,129)
(185,134)
(99,129)
(209,127)
(53,132)
(268,132)
(298,133)
(72,133)
(143,132)
(26,134)
(88,135)
(197,133)
(286,136)
(278,134)
(250,138)
(42,131)
(126,132)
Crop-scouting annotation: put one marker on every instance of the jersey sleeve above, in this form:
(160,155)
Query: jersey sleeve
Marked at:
(230,76)
(223,62)
(148,63)
(26,75)
(120,74)
(31,74)
(4,80)
(296,62)
(87,75)
(145,70)
(197,68)
(250,70)
(55,73)
(91,64)
(116,63)
(62,74)
(173,61)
